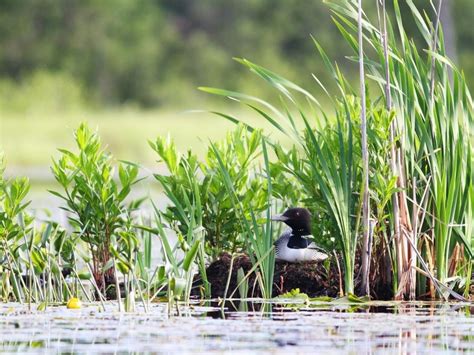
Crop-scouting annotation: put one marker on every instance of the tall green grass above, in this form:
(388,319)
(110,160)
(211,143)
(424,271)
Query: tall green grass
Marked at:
(433,111)
(431,139)
(328,160)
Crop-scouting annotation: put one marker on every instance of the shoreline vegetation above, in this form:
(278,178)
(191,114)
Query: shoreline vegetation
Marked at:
(387,174)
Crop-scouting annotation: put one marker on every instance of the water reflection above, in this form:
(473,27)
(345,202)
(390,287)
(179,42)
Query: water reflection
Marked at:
(244,326)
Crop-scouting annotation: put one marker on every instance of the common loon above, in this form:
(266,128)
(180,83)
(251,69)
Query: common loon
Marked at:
(294,244)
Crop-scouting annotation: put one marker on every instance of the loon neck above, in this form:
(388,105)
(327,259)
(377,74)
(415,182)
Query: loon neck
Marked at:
(300,232)
(297,241)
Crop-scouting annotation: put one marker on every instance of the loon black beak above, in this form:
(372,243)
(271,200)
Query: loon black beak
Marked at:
(279,217)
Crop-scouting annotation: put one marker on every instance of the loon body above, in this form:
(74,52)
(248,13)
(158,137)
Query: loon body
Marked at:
(284,252)
(294,245)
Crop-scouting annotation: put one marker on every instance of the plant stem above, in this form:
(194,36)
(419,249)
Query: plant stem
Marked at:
(394,163)
(117,288)
(349,275)
(366,243)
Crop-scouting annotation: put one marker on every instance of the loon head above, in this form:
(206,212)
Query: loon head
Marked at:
(297,218)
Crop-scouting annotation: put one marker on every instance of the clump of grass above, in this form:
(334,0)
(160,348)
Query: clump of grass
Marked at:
(35,257)
(433,118)
(324,163)
(178,270)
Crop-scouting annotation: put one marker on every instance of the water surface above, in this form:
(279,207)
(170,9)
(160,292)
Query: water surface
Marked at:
(402,328)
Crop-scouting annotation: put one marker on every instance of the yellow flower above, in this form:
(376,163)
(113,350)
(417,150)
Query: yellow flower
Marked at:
(74,303)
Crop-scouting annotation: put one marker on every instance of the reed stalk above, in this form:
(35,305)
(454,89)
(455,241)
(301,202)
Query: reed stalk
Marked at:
(366,241)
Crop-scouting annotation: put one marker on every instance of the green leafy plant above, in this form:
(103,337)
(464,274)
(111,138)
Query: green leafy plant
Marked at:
(257,234)
(14,224)
(294,294)
(32,258)
(95,200)
(190,179)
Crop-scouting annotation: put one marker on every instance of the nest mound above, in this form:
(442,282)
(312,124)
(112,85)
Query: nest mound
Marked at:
(311,278)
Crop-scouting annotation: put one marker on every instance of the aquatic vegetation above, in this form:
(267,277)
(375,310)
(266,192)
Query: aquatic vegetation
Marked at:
(433,117)
(35,259)
(199,197)
(225,198)
(96,202)
(177,272)
(258,236)
(409,229)
(294,294)
(14,225)
(421,182)
(189,179)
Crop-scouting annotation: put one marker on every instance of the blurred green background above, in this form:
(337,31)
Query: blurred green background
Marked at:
(131,67)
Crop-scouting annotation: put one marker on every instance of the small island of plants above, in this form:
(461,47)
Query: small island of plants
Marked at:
(386,171)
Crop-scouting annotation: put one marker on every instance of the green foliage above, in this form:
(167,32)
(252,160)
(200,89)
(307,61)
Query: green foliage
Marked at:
(190,180)
(434,107)
(42,252)
(223,197)
(294,294)
(140,51)
(258,236)
(326,164)
(42,91)
(224,201)
(95,201)
(177,271)
(14,224)
(13,220)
